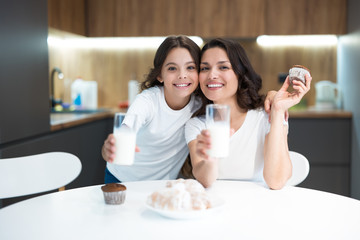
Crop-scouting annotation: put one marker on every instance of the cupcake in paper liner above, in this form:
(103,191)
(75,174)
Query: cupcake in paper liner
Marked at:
(114,193)
(298,72)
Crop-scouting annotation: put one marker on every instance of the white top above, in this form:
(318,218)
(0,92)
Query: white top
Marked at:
(250,211)
(160,138)
(246,158)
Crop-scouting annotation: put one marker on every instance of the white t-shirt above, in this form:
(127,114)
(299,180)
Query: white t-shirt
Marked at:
(160,138)
(246,158)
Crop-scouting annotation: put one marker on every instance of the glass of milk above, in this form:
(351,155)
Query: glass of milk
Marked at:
(218,124)
(125,138)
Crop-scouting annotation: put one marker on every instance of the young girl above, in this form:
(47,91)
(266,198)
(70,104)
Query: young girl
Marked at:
(258,149)
(162,108)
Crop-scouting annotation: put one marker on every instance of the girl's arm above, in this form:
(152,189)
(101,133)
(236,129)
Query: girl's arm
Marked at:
(277,165)
(205,169)
(108,149)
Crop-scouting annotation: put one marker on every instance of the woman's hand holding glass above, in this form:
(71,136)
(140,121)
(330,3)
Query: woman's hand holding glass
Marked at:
(204,144)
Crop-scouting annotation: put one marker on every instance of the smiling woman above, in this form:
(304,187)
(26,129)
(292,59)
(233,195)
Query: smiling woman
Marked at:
(258,150)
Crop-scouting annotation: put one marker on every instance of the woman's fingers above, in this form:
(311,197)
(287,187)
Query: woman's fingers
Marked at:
(203,144)
(285,85)
(202,151)
(269,100)
(300,86)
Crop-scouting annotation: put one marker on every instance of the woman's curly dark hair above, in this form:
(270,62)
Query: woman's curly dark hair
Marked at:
(163,51)
(249,82)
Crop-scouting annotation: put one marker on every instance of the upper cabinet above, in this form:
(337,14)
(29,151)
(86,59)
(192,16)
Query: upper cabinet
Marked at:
(68,15)
(286,17)
(205,18)
(229,18)
(140,17)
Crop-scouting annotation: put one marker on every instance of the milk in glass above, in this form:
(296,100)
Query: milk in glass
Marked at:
(125,140)
(218,124)
(220,134)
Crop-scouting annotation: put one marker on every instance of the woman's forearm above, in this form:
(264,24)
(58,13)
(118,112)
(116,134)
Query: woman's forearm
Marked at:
(277,165)
(205,171)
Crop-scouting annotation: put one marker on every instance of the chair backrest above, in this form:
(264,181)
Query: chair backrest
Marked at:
(300,170)
(37,173)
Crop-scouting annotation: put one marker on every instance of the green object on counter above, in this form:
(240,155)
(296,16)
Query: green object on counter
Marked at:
(302,105)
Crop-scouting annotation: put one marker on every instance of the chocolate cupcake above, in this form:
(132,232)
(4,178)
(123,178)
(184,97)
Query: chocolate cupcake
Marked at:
(114,193)
(297,72)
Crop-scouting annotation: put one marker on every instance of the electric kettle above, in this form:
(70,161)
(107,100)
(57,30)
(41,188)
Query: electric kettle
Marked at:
(327,95)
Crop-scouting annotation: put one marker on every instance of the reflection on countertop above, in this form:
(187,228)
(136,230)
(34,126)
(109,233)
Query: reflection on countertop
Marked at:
(60,121)
(313,112)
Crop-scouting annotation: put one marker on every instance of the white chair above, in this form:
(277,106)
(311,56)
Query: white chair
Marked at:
(37,173)
(300,170)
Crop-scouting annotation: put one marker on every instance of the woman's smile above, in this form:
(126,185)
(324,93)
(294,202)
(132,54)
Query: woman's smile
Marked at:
(214,86)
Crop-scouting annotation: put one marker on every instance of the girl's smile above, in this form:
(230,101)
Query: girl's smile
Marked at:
(180,78)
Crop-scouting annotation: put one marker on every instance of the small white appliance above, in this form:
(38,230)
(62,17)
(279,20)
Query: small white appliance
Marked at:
(328,95)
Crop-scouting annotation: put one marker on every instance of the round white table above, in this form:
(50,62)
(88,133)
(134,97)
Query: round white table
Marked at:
(250,211)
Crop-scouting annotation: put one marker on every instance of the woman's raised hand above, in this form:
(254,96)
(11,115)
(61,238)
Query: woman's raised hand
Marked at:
(284,99)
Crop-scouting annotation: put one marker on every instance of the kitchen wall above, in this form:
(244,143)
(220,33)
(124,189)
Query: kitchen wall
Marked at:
(112,68)
(349,81)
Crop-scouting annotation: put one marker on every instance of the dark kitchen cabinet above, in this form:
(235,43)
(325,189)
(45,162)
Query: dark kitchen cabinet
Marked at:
(214,18)
(68,15)
(84,141)
(284,17)
(24,87)
(326,143)
(205,18)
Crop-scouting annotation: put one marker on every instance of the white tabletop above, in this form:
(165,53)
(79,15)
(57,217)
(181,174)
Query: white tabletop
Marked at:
(250,211)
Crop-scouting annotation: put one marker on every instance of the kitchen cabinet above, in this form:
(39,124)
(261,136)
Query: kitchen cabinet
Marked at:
(24,80)
(326,143)
(140,18)
(229,18)
(67,15)
(214,18)
(206,18)
(85,141)
(284,17)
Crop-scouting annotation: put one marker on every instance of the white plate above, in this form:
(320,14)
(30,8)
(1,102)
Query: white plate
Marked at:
(217,204)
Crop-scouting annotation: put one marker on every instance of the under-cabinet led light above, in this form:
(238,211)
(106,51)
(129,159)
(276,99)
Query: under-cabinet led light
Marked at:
(112,42)
(297,40)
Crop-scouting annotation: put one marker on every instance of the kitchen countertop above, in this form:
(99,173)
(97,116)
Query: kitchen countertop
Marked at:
(60,121)
(316,113)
